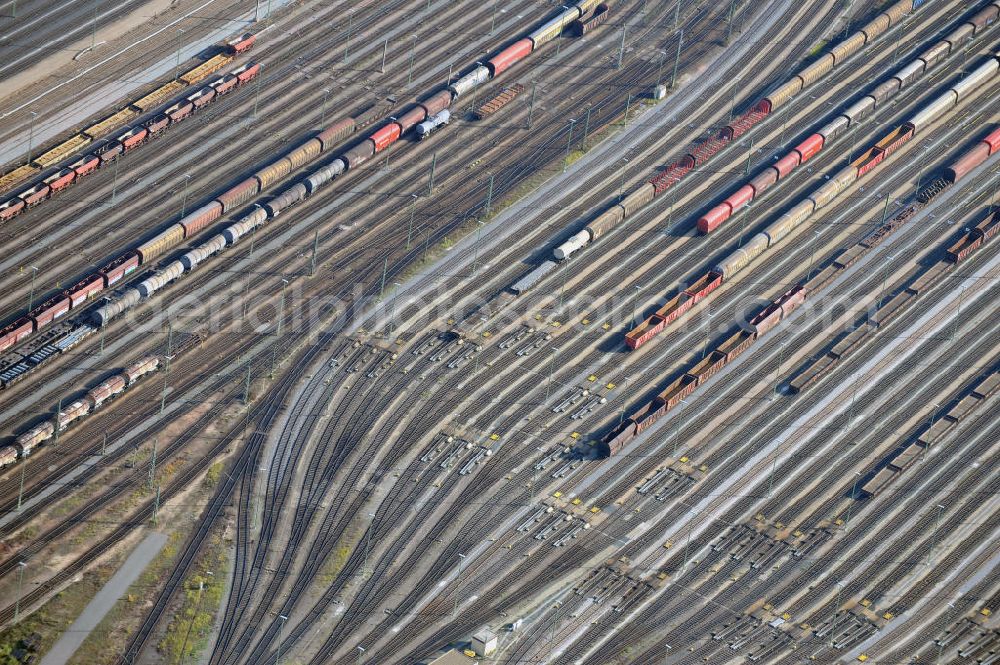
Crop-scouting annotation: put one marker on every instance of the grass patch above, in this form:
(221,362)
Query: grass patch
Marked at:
(52,619)
(104,643)
(213,475)
(187,633)
(334,563)
(815,50)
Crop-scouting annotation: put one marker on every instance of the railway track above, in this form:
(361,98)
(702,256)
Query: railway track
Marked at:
(364,421)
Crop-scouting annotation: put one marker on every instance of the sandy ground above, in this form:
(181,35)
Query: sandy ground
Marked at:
(79,51)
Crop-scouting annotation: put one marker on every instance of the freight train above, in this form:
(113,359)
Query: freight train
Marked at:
(625,209)
(61,304)
(101,143)
(850,118)
(432,108)
(682,387)
(423,116)
(92,400)
(782,307)
(903,457)
(971,240)
(820,198)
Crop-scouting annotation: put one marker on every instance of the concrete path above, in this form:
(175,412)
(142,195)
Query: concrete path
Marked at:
(70,641)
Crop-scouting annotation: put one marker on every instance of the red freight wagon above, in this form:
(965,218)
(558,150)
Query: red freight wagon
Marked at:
(359,154)
(598,18)
(227,83)
(86,164)
(196,220)
(507,57)
(993,140)
(179,111)
(242,44)
(644,332)
(764,179)
(967,162)
(678,390)
(809,148)
(248,73)
(157,123)
(385,137)
(701,288)
(869,160)
(34,195)
(714,218)
(615,441)
(49,311)
(239,194)
(736,344)
(988,225)
(898,137)
(133,137)
(336,133)
(675,307)
(965,246)
(766,319)
(85,289)
(202,98)
(787,164)
(740,197)
(410,118)
(15,332)
(647,416)
(10,208)
(708,367)
(109,152)
(107,389)
(119,268)
(60,179)
(791,299)
(437,102)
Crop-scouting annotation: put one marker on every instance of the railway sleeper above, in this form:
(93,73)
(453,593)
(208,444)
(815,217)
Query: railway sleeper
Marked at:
(748,545)
(854,636)
(632,597)
(768,650)
(767,555)
(652,482)
(574,532)
(730,538)
(614,589)
(592,580)
(831,624)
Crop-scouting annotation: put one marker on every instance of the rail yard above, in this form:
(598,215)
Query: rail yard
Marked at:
(595,332)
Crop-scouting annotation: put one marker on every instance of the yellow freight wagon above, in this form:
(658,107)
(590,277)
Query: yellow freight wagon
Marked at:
(62,151)
(206,68)
(111,122)
(8,180)
(158,96)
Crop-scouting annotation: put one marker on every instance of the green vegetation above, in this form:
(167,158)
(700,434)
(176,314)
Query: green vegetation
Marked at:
(213,474)
(52,619)
(333,565)
(188,632)
(820,45)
